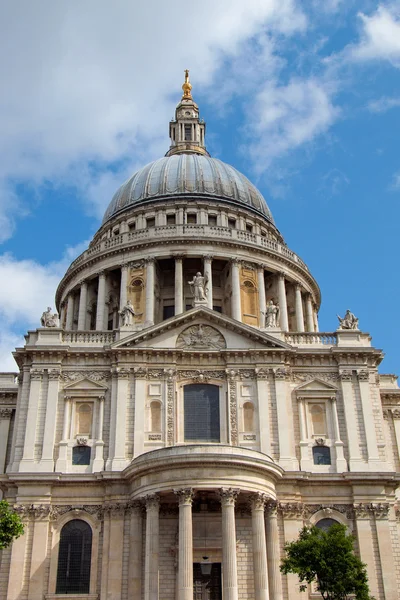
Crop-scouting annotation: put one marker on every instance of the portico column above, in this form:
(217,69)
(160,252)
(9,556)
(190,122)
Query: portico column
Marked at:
(229,564)
(341,463)
(101,299)
(82,307)
(62,315)
(261,295)
(283,314)
(123,292)
(273,558)
(309,313)
(236,308)
(208,278)
(299,310)
(178,285)
(47,461)
(151,582)
(70,312)
(150,268)
(185,565)
(260,566)
(135,552)
(5,416)
(31,419)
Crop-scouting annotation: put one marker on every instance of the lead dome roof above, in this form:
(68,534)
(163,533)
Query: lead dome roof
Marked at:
(188,176)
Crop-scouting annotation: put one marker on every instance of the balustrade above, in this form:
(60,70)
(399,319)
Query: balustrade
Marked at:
(311,338)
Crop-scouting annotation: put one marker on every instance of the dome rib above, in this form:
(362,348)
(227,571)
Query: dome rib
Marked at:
(191,175)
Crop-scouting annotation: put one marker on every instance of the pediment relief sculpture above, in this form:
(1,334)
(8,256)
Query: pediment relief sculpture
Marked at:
(201,337)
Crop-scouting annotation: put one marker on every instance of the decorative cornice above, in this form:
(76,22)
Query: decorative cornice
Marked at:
(363,375)
(367,510)
(5,413)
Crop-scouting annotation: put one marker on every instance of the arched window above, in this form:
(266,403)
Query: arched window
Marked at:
(81,455)
(318,419)
(201,413)
(250,300)
(324,524)
(74,557)
(248,416)
(84,419)
(321,455)
(155,417)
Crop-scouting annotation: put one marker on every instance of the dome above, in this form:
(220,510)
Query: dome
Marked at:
(187,175)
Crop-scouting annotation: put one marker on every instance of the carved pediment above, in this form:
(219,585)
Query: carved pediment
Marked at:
(85,384)
(201,337)
(316,387)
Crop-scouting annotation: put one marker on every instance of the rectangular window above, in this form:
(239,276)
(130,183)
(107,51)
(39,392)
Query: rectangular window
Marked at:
(191,219)
(212,220)
(151,222)
(232,223)
(249,228)
(132,226)
(188,133)
(171,220)
(168,311)
(201,411)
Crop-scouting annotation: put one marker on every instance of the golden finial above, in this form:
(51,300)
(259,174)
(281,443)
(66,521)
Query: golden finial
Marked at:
(187,87)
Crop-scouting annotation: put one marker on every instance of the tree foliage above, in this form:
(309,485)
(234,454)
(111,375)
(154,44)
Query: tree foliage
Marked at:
(10,525)
(327,558)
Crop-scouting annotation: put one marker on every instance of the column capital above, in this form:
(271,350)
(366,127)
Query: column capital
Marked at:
(298,286)
(281,374)
(228,496)
(208,257)
(83,283)
(54,374)
(178,257)
(281,274)
(152,501)
(363,375)
(101,398)
(124,266)
(101,273)
(135,507)
(345,375)
(235,261)
(185,496)
(5,413)
(257,501)
(271,508)
(150,260)
(36,374)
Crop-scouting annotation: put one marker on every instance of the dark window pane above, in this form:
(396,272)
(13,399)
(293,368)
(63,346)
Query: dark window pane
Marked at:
(217,309)
(188,133)
(150,223)
(321,455)
(74,556)
(81,455)
(324,524)
(202,413)
(168,311)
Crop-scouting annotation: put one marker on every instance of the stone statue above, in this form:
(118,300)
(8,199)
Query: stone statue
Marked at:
(349,321)
(49,319)
(198,285)
(127,314)
(272,314)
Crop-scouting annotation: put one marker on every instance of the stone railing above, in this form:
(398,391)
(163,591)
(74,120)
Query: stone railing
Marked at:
(311,339)
(88,337)
(182,232)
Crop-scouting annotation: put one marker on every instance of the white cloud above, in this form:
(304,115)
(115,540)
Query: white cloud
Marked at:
(396,182)
(90,82)
(380,37)
(286,117)
(383,104)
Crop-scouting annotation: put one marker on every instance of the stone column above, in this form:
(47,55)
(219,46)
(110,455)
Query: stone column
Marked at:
(101,301)
(150,281)
(82,307)
(30,431)
(236,309)
(70,312)
(283,314)
(62,314)
(309,313)
(229,564)
(369,420)
(119,461)
(135,551)
(385,551)
(261,295)
(151,575)
(263,397)
(341,463)
(355,461)
(273,556)
(98,462)
(299,309)
(47,461)
(38,556)
(178,285)
(61,464)
(185,545)
(365,539)
(18,578)
(123,292)
(260,566)
(5,417)
(115,551)
(316,326)
(305,462)
(208,278)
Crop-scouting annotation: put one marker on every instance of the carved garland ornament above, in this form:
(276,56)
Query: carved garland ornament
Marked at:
(201,337)
(170,406)
(232,387)
(77,375)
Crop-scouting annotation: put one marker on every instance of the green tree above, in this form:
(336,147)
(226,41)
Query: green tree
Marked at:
(10,525)
(327,558)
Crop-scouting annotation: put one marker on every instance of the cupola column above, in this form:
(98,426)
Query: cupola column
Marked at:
(261,295)
(123,293)
(236,307)
(178,285)
(229,561)
(316,326)
(5,416)
(283,314)
(208,278)
(82,307)
(101,300)
(299,309)
(150,280)
(272,533)
(70,312)
(185,545)
(309,313)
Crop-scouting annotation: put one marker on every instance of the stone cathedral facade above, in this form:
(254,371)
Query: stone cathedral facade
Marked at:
(184,416)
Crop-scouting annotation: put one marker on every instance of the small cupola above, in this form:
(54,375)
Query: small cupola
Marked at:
(187,131)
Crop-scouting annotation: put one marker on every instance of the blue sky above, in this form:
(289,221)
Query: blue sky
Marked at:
(303,97)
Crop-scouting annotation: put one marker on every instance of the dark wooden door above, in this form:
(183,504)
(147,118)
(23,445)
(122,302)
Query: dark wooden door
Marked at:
(207,587)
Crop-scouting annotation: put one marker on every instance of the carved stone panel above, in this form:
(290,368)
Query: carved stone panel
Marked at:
(201,337)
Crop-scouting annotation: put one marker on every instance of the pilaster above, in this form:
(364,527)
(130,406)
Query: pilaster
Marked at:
(5,417)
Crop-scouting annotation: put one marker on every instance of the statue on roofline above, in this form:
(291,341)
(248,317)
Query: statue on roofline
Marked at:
(49,319)
(127,314)
(349,321)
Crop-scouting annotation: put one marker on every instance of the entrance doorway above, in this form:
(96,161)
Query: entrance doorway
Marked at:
(207,587)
